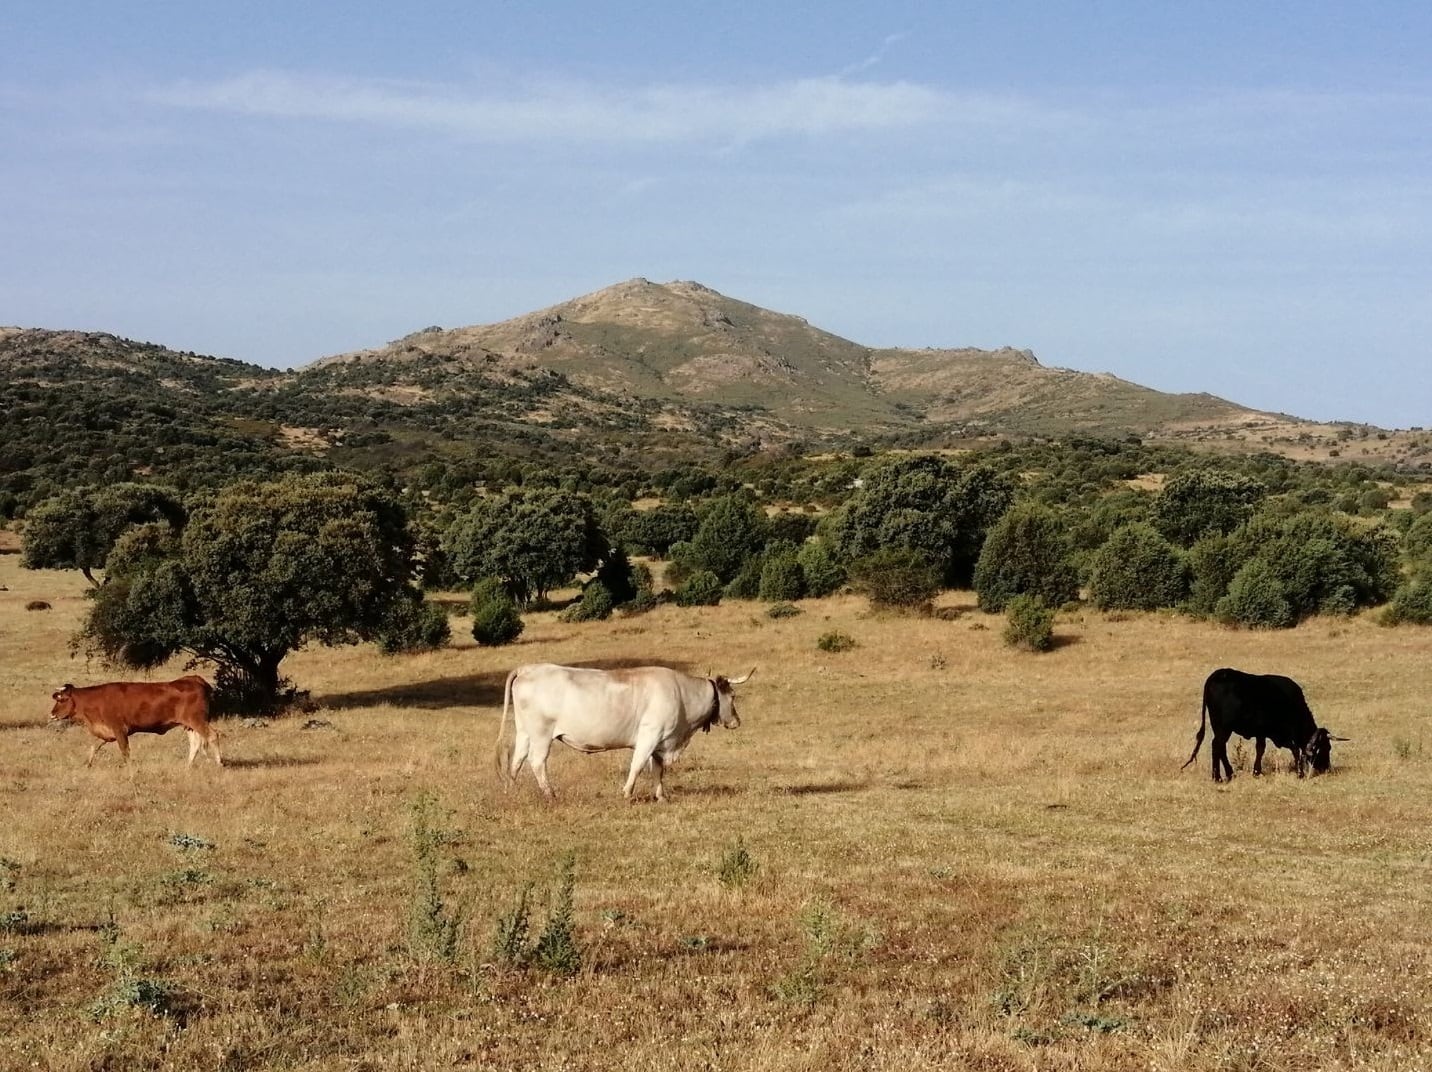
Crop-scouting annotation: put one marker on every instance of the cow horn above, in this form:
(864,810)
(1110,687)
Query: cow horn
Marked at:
(743,680)
(1332,738)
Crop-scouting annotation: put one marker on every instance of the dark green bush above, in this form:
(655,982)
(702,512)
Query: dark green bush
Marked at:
(782,578)
(619,577)
(733,530)
(782,610)
(595,605)
(701,589)
(414,626)
(1412,602)
(897,577)
(747,582)
(835,642)
(1212,563)
(1200,502)
(1137,569)
(495,618)
(1027,552)
(1030,624)
(1256,599)
(822,573)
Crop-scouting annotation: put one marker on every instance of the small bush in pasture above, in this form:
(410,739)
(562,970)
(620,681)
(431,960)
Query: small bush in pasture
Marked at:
(433,925)
(129,988)
(37,604)
(1137,569)
(595,605)
(822,573)
(1404,749)
(1411,604)
(1028,552)
(747,582)
(1030,624)
(414,625)
(619,577)
(189,842)
(1256,599)
(701,589)
(738,866)
(829,941)
(897,578)
(557,950)
(782,610)
(781,575)
(495,618)
(835,642)
(510,939)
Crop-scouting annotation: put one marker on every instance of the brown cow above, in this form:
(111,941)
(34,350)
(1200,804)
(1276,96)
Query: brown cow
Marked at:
(112,712)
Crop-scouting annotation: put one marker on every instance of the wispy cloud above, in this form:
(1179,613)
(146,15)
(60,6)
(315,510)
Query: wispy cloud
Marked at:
(876,56)
(587,113)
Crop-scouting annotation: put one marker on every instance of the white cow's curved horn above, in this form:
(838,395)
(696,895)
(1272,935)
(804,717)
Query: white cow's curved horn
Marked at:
(743,680)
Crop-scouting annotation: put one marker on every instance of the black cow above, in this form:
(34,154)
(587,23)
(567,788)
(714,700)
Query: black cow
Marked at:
(1267,707)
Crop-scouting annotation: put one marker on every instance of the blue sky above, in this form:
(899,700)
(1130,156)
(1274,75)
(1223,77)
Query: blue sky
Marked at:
(1226,197)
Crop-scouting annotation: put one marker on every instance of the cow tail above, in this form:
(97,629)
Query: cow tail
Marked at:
(1198,740)
(501,755)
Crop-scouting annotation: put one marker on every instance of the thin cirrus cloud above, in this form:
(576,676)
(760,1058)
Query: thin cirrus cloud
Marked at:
(584,112)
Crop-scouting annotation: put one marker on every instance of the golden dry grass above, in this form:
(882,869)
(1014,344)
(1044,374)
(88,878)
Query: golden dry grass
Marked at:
(1020,875)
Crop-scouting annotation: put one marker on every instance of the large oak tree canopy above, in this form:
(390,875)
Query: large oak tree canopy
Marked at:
(257,572)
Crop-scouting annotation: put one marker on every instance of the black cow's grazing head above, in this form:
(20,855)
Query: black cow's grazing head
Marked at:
(1320,750)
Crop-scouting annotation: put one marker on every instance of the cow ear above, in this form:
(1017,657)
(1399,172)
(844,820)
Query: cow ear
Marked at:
(744,679)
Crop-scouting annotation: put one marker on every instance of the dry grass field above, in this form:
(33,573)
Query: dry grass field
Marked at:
(956,856)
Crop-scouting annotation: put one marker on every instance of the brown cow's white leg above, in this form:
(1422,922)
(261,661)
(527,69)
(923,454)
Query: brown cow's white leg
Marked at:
(195,743)
(93,751)
(213,746)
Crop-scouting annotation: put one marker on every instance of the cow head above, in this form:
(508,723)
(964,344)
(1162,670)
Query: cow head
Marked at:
(1319,750)
(64,704)
(726,700)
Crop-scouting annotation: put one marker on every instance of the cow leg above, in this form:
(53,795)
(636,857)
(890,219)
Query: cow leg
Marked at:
(1220,757)
(195,743)
(658,768)
(212,744)
(1258,755)
(520,744)
(643,752)
(537,751)
(122,739)
(1298,764)
(93,751)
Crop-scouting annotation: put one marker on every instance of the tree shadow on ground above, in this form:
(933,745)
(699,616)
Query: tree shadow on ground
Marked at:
(1064,640)
(811,789)
(466,690)
(269,762)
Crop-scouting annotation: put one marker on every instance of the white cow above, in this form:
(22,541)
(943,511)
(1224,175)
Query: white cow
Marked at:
(652,710)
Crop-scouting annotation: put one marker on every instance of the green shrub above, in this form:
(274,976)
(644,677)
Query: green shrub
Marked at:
(557,950)
(496,621)
(782,578)
(897,577)
(747,582)
(619,577)
(595,605)
(782,610)
(733,529)
(1411,604)
(1212,563)
(1027,552)
(738,866)
(835,642)
(701,589)
(1200,502)
(1030,624)
(414,626)
(1137,569)
(822,573)
(1257,599)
